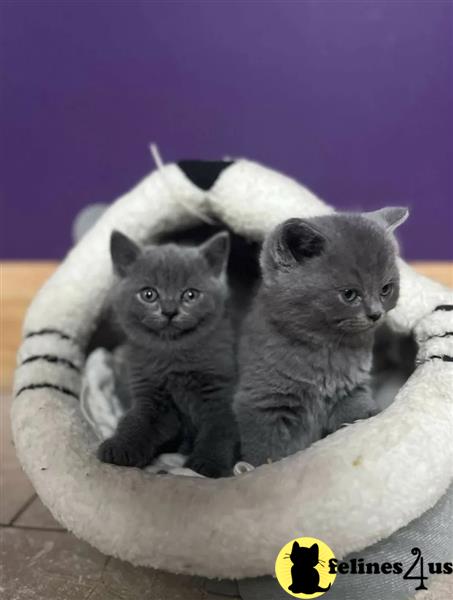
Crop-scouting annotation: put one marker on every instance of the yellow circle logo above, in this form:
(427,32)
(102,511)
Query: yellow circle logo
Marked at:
(302,568)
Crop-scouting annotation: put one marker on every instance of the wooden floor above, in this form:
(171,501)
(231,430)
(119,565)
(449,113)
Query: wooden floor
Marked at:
(38,559)
(19,281)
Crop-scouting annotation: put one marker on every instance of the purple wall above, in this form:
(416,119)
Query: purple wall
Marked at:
(354,99)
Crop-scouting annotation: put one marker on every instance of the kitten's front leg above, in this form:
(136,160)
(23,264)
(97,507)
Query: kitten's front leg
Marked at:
(272,427)
(360,404)
(265,437)
(215,449)
(217,436)
(150,423)
(131,444)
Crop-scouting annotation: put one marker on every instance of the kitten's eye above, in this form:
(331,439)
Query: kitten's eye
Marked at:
(148,295)
(350,295)
(387,289)
(190,295)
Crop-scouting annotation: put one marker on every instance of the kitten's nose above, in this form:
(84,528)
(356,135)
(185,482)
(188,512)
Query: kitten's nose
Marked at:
(374,316)
(169,311)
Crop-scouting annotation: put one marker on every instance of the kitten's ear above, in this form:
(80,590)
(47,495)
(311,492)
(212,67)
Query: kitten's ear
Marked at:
(216,251)
(295,546)
(295,241)
(124,252)
(315,549)
(390,218)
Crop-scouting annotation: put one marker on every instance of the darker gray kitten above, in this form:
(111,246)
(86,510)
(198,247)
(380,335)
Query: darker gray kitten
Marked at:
(171,303)
(306,348)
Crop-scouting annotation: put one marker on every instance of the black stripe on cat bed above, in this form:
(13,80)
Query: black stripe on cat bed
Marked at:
(446,307)
(203,173)
(51,386)
(50,358)
(443,357)
(438,335)
(48,331)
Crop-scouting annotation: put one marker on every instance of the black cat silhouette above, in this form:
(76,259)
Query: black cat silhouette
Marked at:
(305,577)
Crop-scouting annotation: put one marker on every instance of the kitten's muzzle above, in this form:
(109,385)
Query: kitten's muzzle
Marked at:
(357,324)
(168,308)
(169,312)
(374,316)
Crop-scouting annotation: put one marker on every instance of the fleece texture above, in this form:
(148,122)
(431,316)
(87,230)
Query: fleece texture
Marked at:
(351,489)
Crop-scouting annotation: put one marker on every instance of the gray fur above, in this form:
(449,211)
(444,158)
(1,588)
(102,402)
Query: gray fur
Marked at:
(179,355)
(305,353)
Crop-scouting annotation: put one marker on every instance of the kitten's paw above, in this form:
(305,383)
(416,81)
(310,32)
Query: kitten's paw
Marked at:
(366,411)
(207,467)
(116,452)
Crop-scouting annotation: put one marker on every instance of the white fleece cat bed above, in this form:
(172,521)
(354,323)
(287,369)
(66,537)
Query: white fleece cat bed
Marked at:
(358,486)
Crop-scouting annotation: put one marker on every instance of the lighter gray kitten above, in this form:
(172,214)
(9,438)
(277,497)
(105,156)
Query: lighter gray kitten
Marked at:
(306,348)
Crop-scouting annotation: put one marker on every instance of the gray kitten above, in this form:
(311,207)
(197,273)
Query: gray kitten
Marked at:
(171,303)
(306,349)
